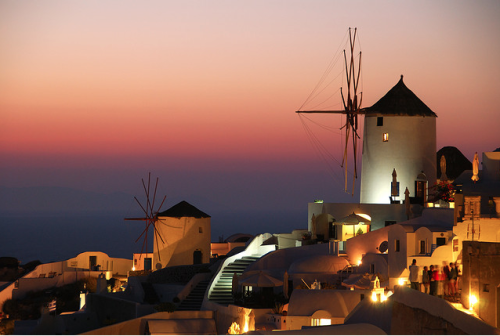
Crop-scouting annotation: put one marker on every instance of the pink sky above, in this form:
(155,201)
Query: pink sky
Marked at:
(96,93)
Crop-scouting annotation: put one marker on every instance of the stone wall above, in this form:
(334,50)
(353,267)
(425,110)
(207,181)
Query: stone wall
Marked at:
(177,274)
(482,275)
(408,320)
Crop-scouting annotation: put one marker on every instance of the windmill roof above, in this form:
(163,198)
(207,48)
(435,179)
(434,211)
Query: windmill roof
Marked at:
(183,209)
(401,101)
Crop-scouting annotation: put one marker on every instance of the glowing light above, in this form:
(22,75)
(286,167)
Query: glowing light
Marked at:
(318,201)
(245,327)
(374,297)
(234,329)
(472,301)
(383,297)
(359,262)
(133,268)
(365,216)
(402,281)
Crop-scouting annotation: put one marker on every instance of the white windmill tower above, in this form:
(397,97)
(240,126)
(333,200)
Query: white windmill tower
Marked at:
(399,134)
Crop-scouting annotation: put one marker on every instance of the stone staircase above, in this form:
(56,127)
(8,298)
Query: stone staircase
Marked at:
(195,299)
(222,291)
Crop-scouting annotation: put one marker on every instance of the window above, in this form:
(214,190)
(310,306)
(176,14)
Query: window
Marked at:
(486,288)
(422,247)
(200,229)
(321,322)
(389,222)
(440,241)
(380,121)
(372,268)
(396,245)
(385,137)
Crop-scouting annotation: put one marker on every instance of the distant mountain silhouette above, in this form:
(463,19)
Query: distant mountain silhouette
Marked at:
(61,200)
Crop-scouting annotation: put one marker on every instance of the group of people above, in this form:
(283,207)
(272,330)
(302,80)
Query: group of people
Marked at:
(435,281)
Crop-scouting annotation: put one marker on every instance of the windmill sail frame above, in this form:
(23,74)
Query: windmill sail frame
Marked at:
(352,107)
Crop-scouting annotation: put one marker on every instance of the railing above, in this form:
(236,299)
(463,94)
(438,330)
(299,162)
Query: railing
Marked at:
(255,247)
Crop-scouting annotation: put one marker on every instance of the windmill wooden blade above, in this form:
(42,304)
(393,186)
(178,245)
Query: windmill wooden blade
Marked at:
(149,215)
(351,105)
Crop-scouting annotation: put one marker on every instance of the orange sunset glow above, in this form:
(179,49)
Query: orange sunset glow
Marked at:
(96,94)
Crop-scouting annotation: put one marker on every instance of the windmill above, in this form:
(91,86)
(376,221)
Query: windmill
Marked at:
(352,107)
(150,215)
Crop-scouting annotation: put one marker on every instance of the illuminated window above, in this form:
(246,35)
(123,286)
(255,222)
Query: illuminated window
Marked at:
(385,137)
(321,322)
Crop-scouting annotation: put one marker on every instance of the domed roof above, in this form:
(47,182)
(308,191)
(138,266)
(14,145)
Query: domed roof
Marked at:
(318,264)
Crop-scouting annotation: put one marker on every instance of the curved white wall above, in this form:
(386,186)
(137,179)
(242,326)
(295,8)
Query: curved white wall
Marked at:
(410,150)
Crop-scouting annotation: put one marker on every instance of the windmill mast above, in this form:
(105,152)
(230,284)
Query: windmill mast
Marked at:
(352,108)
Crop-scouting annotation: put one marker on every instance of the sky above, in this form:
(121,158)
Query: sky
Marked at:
(203,94)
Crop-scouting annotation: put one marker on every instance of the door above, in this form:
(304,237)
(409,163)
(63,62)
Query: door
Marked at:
(332,231)
(92,262)
(148,264)
(197,257)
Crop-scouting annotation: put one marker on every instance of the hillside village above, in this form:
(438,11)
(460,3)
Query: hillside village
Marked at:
(347,271)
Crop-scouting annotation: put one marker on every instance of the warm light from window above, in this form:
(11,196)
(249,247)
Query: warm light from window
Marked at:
(321,322)
(385,137)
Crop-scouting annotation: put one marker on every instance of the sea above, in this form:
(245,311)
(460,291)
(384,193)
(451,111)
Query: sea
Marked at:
(57,237)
